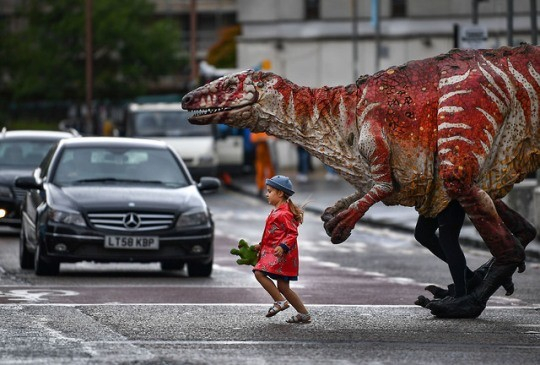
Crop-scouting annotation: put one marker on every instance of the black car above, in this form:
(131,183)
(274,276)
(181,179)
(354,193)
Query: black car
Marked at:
(106,199)
(20,153)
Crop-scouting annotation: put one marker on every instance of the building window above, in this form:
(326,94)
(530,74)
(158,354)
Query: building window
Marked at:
(399,8)
(312,9)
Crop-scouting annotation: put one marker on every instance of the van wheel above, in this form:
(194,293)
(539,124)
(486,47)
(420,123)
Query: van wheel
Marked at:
(197,269)
(42,267)
(172,265)
(26,259)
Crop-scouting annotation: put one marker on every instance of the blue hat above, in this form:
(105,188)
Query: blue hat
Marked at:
(282,183)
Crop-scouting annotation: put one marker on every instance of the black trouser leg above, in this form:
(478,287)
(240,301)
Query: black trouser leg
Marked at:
(450,222)
(446,245)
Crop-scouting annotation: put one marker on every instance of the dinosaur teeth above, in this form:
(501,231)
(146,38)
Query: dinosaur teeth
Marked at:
(208,111)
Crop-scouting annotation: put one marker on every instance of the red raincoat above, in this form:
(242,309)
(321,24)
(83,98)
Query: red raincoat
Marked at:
(281,229)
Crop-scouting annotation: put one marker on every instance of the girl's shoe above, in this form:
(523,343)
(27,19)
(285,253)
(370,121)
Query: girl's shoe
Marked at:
(276,308)
(300,318)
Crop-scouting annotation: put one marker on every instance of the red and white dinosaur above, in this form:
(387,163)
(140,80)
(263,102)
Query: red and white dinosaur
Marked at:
(462,125)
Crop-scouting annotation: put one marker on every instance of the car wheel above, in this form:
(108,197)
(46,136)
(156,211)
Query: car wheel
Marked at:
(43,267)
(26,259)
(172,265)
(198,269)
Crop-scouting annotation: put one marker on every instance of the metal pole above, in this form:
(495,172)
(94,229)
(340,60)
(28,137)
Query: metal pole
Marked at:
(355,40)
(377,34)
(510,22)
(193,42)
(534,24)
(475,11)
(89,66)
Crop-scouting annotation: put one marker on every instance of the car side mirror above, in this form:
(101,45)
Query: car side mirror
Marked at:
(208,184)
(27,182)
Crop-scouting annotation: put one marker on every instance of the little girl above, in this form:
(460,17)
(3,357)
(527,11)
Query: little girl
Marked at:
(278,250)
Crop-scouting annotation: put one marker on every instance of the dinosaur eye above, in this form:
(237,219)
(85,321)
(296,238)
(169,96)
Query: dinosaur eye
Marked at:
(231,88)
(260,84)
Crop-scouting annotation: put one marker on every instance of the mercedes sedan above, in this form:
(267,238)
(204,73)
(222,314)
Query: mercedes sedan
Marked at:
(105,199)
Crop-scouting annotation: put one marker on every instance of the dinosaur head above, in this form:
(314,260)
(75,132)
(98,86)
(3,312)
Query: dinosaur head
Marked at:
(234,100)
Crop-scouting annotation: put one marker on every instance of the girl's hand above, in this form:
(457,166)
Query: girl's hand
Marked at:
(257,247)
(278,251)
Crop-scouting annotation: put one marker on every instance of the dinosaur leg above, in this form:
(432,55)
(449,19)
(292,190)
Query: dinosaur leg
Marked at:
(524,231)
(505,248)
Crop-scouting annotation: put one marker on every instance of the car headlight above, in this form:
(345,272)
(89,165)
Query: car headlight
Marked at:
(65,217)
(192,219)
(5,192)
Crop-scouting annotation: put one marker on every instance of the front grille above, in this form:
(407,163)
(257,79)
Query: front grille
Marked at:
(19,193)
(131,221)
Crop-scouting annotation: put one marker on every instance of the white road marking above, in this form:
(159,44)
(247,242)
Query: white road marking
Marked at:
(235,305)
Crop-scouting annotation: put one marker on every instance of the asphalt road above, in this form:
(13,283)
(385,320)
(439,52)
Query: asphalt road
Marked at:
(360,294)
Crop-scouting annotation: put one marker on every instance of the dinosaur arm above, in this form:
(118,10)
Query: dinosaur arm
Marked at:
(374,148)
(340,205)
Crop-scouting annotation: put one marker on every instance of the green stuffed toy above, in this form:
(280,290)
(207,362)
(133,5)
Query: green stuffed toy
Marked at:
(248,254)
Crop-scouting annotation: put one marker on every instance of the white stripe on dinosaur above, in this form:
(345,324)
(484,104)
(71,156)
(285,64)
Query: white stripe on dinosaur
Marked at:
(534,73)
(490,118)
(366,111)
(500,105)
(453,125)
(492,82)
(291,112)
(342,111)
(485,146)
(442,141)
(489,137)
(363,97)
(506,79)
(453,79)
(446,162)
(453,93)
(449,109)
(444,151)
(532,95)
(479,159)
(376,177)
(315,112)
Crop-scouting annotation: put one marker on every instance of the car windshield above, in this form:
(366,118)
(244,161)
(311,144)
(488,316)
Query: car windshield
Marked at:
(23,153)
(117,165)
(167,124)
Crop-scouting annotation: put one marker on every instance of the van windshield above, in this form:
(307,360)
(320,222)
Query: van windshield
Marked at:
(167,124)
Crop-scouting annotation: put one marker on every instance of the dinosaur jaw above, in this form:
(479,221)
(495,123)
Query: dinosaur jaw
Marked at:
(235,117)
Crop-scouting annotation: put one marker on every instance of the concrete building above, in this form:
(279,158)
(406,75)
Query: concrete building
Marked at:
(322,42)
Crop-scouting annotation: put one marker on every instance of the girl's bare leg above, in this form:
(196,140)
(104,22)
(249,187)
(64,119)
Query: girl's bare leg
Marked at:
(291,296)
(269,286)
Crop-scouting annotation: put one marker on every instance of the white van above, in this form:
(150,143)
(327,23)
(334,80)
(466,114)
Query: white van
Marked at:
(198,146)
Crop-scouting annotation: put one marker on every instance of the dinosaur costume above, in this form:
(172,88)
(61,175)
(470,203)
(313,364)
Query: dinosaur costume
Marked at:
(462,125)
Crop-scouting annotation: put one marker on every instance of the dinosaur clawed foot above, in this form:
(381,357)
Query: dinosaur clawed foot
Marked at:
(438,292)
(450,307)
(472,305)
(468,306)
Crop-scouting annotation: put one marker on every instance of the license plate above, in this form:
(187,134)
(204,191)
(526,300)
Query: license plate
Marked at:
(132,242)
